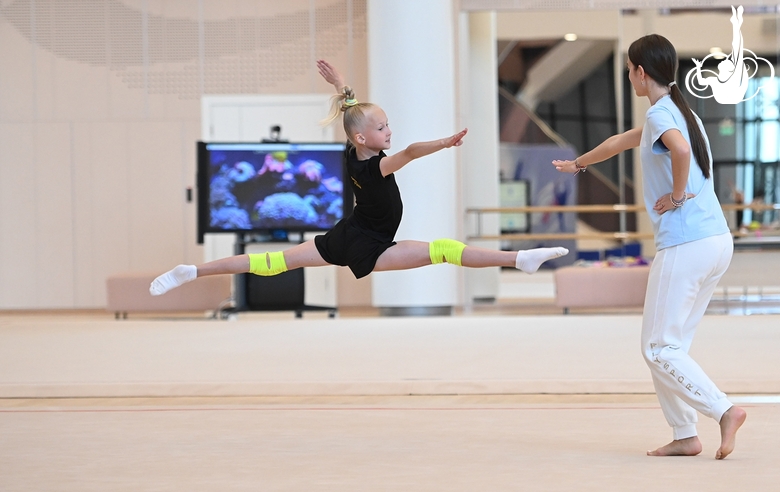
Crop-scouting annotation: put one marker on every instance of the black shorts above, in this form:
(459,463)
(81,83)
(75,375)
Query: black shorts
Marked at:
(347,244)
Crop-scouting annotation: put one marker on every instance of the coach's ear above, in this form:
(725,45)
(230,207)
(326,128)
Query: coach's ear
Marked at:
(640,70)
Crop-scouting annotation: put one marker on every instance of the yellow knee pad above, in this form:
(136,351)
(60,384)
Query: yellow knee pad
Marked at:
(258,263)
(448,250)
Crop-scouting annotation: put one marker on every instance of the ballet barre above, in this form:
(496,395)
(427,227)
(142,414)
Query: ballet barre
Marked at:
(598,208)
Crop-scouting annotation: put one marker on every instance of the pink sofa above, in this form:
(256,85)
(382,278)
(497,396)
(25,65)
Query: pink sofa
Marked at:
(600,287)
(129,292)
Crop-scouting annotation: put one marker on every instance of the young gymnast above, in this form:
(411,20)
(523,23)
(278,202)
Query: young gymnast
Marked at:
(693,242)
(364,241)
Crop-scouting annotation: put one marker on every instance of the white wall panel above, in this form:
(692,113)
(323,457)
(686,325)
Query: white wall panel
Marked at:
(124,99)
(221,124)
(111,190)
(18,258)
(299,117)
(88,291)
(249,118)
(17,77)
(53,266)
(80,91)
(156,196)
(45,85)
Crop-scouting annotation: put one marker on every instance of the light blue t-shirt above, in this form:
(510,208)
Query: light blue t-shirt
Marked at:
(700,216)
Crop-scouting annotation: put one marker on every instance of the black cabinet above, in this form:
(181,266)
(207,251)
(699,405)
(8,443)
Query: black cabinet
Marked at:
(283,292)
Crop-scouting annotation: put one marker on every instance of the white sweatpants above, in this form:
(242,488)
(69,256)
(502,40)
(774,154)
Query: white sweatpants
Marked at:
(681,283)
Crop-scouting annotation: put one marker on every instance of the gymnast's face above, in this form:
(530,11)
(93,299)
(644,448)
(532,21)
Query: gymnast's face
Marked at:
(375,132)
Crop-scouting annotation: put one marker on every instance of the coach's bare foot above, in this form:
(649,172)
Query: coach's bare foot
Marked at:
(682,447)
(730,423)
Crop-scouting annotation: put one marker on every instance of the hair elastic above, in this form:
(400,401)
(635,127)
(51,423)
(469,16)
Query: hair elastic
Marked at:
(350,102)
(670,84)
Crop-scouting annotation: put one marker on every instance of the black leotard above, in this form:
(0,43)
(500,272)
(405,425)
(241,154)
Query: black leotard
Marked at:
(358,240)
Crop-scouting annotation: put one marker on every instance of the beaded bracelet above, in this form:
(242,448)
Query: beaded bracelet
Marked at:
(579,168)
(678,203)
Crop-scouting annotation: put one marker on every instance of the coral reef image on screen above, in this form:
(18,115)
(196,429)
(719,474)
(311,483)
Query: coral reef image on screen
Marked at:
(275,186)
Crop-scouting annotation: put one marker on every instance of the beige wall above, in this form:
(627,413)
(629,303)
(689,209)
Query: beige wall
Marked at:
(99,115)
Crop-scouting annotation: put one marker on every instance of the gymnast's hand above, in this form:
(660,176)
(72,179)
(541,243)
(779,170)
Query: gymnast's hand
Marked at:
(455,140)
(331,75)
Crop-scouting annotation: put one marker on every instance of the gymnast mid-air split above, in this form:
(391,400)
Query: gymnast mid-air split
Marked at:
(365,240)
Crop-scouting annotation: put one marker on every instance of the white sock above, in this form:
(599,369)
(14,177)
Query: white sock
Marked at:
(530,260)
(173,278)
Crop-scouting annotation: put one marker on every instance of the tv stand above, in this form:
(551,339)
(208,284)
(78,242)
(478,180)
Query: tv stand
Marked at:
(283,292)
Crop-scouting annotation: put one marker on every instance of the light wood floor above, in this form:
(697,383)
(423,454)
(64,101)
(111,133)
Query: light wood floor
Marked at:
(484,443)
(436,440)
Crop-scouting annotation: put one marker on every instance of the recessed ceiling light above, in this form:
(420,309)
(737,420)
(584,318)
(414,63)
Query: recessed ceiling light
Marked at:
(570,37)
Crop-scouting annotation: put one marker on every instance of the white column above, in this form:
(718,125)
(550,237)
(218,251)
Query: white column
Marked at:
(411,75)
(480,163)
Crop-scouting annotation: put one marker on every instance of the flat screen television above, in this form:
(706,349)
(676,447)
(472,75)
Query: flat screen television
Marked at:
(268,188)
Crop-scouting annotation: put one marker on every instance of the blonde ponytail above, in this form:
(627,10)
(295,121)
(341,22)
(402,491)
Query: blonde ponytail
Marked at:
(339,103)
(354,111)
